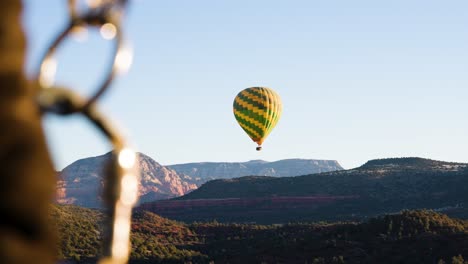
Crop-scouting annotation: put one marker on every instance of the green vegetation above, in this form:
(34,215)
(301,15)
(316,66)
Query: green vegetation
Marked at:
(154,239)
(408,237)
(159,240)
(79,232)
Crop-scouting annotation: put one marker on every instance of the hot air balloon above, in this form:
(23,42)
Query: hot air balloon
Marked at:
(257,110)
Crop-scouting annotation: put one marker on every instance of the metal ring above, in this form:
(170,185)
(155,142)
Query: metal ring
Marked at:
(121,180)
(90,19)
(120,191)
(103,5)
(121,188)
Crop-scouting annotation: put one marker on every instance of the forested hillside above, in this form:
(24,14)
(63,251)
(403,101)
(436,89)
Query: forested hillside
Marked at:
(378,187)
(407,237)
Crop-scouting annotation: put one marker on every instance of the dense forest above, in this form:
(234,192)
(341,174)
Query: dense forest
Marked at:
(407,237)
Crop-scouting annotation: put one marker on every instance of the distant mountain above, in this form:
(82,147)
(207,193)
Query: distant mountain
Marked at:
(80,183)
(205,171)
(377,187)
(386,178)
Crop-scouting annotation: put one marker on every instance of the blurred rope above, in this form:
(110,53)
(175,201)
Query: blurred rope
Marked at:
(27,181)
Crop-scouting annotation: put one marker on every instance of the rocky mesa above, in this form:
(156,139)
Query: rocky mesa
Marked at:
(205,171)
(81,182)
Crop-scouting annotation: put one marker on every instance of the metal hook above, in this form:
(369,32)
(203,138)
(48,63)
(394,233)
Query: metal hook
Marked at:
(121,188)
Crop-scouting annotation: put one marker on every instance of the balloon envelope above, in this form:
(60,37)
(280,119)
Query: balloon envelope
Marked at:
(257,110)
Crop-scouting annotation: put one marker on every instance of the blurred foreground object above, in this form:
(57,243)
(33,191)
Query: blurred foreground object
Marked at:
(27,183)
(120,177)
(27,178)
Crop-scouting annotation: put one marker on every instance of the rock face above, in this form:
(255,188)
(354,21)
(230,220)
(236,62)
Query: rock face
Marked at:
(223,170)
(81,182)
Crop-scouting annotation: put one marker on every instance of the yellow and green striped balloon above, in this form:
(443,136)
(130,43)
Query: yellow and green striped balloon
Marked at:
(257,110)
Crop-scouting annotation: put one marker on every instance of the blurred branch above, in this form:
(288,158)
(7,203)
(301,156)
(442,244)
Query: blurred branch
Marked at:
(26,174)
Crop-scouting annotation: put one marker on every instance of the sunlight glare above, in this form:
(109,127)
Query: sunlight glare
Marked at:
(127,158)
(129,185)
(124,60)
(48,71)
(108,31)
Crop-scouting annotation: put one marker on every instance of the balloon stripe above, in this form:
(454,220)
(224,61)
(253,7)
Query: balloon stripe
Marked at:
(254,115)
(253,134)
(249,101)
(269,110)
(270,94)
(258,92)
(261,93)
(271,97)
(240,102)
(252,123)
(243,102)
(253,98)
(251,119)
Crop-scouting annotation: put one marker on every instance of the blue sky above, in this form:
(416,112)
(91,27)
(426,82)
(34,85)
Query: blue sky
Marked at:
(359,79)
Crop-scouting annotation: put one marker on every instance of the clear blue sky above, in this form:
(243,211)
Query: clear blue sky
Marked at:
(359,79)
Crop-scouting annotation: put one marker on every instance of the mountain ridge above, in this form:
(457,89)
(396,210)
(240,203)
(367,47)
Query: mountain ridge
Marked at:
(371,169)
(358,193)
(281,168)
(81,182)
(410,161)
